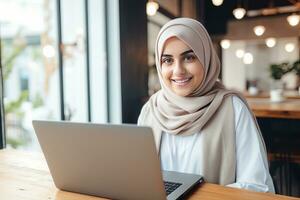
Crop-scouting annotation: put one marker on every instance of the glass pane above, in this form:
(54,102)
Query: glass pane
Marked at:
(98,64)
(29,62)
(74,55)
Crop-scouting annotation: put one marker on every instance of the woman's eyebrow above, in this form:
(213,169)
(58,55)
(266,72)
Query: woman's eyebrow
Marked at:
(166,55)
(182,54)
(186,52)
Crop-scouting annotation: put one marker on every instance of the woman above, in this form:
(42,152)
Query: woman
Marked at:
(199,126)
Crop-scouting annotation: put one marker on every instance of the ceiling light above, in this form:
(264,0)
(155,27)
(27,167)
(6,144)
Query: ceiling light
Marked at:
(225,44)
(239,53)
(289,47)
(152,8)
(239,13)
(248,58)
(293,19)
(259,30)
(270,42)
(217,2)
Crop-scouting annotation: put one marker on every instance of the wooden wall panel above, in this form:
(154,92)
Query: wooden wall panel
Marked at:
(134,57)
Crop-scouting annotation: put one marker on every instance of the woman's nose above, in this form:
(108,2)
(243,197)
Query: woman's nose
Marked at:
(179,69)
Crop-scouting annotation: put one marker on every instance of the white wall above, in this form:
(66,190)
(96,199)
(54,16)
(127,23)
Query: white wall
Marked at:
(233,71)
(236,73)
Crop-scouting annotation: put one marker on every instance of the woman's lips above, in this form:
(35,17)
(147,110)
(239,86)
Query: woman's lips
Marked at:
(181,81)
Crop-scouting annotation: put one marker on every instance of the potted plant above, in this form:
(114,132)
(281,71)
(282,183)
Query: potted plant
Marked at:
(296,69)
(277,85)
(277,71)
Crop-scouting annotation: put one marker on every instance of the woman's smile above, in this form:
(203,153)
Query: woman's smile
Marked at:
(181,81)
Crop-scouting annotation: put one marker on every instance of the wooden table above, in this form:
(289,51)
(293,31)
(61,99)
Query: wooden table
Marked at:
(287,94)
(25,175)
(263,107)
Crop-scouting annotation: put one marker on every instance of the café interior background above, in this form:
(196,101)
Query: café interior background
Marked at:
(93,60)
(66,60)
(30,58)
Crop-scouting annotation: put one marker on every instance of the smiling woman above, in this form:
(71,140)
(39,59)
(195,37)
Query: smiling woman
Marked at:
(199,126)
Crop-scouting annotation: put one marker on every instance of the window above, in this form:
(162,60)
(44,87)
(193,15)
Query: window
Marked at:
(31,69)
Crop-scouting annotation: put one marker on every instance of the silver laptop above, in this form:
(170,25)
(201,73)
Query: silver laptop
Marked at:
(112,161)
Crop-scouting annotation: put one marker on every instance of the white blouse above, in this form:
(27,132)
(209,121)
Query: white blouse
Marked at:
(182,153)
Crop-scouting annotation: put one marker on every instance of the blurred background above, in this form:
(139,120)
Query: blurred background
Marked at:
(93,61)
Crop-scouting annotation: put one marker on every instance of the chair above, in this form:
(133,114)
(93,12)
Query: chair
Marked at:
(282,138)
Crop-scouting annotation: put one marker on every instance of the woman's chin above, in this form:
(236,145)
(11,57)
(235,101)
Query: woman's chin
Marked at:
(182,92)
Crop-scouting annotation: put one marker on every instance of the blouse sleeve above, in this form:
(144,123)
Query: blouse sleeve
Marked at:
(144,112)
(252,171)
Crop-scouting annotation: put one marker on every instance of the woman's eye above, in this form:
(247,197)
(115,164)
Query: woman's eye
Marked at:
(167,61)
(189,58)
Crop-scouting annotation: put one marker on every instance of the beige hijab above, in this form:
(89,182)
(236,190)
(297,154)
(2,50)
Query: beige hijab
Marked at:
(175,114)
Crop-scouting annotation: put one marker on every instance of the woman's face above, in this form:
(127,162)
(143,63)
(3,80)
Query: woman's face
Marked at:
(182,72)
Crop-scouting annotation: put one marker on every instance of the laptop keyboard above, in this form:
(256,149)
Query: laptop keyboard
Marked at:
(170,186)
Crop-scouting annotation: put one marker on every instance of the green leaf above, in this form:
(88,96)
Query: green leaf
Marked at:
(14,106)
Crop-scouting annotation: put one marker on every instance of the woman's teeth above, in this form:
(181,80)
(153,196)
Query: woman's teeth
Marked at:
(181,81)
